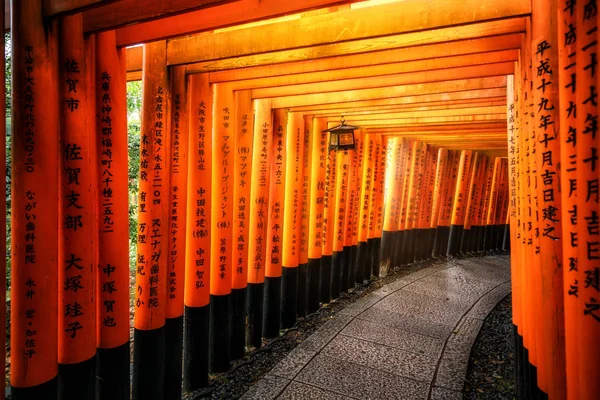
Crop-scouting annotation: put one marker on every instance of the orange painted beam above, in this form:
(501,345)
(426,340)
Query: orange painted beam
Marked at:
(441,75)
(462,85)
(240,12)
(443,50)
(346,25)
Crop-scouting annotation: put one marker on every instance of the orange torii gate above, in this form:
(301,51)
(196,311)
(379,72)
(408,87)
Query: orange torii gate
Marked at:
(245,214)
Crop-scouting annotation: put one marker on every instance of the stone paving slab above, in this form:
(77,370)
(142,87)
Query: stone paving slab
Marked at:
(377,356)
(360,382)
(410,339)
(393,337)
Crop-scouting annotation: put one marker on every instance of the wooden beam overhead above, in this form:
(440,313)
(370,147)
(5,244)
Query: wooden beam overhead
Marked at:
(485,45)
(226,15)
(412,101)
(467,127)
(368,110)
(409,16)
(440,75)
(382,115)
(406,71)
(423,121)
(441,88)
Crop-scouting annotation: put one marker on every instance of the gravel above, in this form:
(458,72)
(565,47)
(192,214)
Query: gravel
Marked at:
(491,367)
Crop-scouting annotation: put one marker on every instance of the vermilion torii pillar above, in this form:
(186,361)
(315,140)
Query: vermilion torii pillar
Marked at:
(272,299)
(197,264)
(152,248)
(78,229)
(391,203)
(34,188)
(343,165)
(403,211)
(241,206)
(460,202)
(567,70)
(356,276)
(317,150)
(363,268)
(290,245)
(259,211)
(221,250)
(441,181)
(329,201)
(588,230)
(176,230)
(471,201)
(113,353)
(305,277)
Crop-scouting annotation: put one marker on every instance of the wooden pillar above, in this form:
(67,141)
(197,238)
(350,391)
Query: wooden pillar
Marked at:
(305,277)
(426,201)
(78,229)
(364,201)
(471,200)
(34,188)
(379,208)
(113,352)
(273,269)
(347,228)
(152,248)
(356,269)
(588,232)
(176,230)
(243,135)
(546,88)
(390,222)
(373,258)
(460,201)
(567,103)
(221,249)
(343,164)
(329,201)
(291,219)
(198,247)
(407,246)
(259,210)
(441,181)
(317,151)
(406,159)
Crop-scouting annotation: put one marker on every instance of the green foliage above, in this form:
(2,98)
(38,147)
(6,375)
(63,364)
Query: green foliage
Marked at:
(134,105)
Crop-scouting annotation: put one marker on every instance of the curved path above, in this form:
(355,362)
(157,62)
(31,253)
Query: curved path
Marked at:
(411,339)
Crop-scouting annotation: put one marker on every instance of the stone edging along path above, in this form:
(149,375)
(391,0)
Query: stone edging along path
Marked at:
(410,339)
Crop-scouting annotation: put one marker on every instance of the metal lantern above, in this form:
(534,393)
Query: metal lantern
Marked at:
(341,137)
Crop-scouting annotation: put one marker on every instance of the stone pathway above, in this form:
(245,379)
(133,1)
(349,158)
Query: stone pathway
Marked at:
(411,339)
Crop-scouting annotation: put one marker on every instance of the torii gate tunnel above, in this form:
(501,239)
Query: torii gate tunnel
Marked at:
(477,131)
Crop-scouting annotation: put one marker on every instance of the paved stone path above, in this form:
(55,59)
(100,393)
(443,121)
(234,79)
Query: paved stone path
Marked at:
(411,339)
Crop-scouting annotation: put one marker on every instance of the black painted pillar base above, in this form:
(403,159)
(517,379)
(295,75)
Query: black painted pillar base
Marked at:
(195,348)
(173,357)
(77,381)
(454,238)
(388,239)
(519,377)
(326,267)
(313,271)
(361,255)
(289,296)
(148,364)
(368,271)
(376,259)
(254,311)
(431,241)
(345,270)
(301,305)
(500,236)
(408,256)
(397,250)
(417,242)
(272,307)
(47,390)
(506,241)
(487,237)
(336,273)
(353,266)
(113,373)
(219,350)
(238,323)
(464,242)
(481,239)
(437,243)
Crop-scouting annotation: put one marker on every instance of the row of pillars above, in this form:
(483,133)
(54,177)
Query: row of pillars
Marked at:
(247,220)
(554,193)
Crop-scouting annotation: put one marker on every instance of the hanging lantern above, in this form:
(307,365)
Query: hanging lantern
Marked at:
(341,137)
